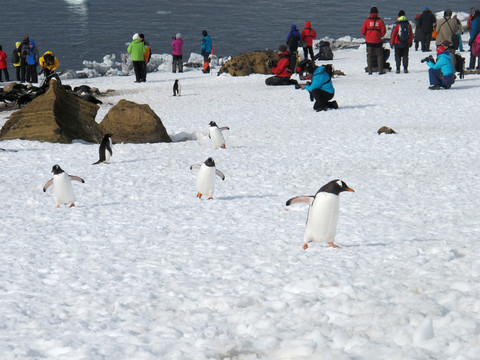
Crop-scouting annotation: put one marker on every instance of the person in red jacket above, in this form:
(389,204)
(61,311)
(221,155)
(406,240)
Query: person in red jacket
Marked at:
(308,34)
(3,65)
(401,39)
(281,69)
(373,29)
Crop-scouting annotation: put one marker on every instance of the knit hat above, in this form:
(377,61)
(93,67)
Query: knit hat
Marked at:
(204,33)
(401,13)
(373,10)
(441,49)
(135,37)
(447,13)
(141,36)
(293,27)
(178,36)
(282,48)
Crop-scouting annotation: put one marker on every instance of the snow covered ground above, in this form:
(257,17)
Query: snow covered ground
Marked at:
(142,269)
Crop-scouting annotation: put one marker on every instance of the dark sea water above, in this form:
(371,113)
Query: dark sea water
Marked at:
(88,30)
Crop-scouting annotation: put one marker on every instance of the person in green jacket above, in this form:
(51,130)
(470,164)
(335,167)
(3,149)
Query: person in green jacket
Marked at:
(136,50)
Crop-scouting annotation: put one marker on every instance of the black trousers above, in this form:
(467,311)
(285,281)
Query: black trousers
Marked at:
(138,68)
(401,53)
(277,80)
(177,62)
(5,71)
(307,50)
(321,98)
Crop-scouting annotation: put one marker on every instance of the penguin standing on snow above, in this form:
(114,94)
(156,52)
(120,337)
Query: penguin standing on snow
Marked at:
(62,186)
(323,213)
(215,133)
(206,178)
(177,88)
(105,150)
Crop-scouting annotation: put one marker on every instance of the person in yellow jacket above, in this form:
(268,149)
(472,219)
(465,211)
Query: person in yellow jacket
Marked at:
(17,61)
(49,64)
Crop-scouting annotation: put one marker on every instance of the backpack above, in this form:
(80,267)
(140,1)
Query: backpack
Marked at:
(292,42)
(325,52)
(460,65)
(403,32)
(15,57)
(24,50)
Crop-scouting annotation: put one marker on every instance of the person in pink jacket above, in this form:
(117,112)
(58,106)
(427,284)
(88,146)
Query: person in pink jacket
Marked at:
(308,34)
(3,65)
(177,44)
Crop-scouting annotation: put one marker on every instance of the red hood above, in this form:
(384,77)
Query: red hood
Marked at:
(308,25)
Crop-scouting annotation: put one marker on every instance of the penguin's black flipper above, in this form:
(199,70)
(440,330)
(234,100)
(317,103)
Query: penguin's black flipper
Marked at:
(299,199)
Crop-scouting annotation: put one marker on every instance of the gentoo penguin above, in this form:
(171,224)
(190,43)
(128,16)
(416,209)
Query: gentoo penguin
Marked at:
(177,88)
(62,186)
(215,133)
(206,178)
(323,213)
(105,150)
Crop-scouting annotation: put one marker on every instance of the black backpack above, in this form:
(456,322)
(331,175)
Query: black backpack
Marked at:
(292,42)
(15,57)
(325,52)
(460,65)
(403,32)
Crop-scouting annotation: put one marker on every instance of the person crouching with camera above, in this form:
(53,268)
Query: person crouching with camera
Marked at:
(321,88)
(442,72)
(281,69)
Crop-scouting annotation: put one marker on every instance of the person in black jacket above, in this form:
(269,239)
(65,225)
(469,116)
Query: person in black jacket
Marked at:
(426,22)
(23,49)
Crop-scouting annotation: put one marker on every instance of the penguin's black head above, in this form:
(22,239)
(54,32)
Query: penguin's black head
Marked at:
(108,135)
(212,123)
(56,169)
(209,162)
(335,187)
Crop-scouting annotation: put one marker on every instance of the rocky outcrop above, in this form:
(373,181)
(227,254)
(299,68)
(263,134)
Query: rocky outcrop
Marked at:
(250,63)
(56,116)
(134,123)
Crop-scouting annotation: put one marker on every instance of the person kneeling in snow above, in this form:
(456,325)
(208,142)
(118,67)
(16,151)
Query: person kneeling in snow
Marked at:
(442,72)
(281,69)
(321,88)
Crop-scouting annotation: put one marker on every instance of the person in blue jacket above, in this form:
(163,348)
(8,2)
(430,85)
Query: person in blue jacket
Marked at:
(321,88)
(442,72)
(474,31)
(206,50)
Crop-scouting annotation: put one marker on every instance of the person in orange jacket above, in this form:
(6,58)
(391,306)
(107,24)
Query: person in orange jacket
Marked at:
(281,69)
(373,29)
(401,40)
(3,65)
(308,34)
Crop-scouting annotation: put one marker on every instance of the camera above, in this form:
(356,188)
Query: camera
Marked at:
(271,63)
(174,37)
(428,58)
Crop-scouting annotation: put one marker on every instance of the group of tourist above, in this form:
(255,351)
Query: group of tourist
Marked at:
(25,58)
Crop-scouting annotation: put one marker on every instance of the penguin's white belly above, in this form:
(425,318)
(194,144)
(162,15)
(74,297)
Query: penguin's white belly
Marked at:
(217,137)
(63,189)
(322,218)
(206,180)
(107,155)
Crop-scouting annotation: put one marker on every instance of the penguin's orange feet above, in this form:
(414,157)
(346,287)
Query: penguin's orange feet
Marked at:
(199,195)
(57,207)
(224,146)
(333,245)
(72,205)
(305,246)
(210,198)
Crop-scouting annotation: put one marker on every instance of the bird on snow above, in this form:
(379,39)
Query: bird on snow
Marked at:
(62,186)
(206,178)
(215,133)
(177,88)
(105,150)
(323,213)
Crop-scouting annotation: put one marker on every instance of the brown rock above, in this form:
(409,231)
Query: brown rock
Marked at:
(56,116)
(134,123)
(250,63)
(386,130)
